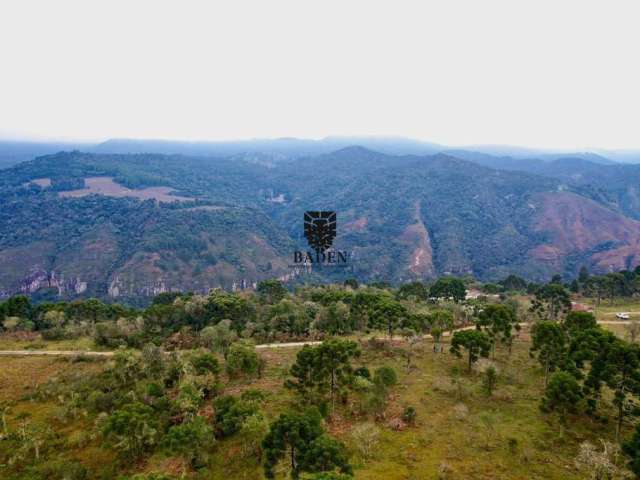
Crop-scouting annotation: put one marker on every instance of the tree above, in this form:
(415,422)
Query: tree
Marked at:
(414,289)
(190,440)
(498,321)
(94,310)
(252,433)
(54,319)
(242,360)
(412,339)
(476,343)
(219,337)
(631,449)
(596,287)
(366,437)
(323,368)
(562,394)
(290,318)
(291,435)
(440,320)
(388,315)
(271,291)
(579,321)
(617,365)
(325,454)
(549,342)
(489,380)
(32,440)
(599,465)
(513,282)
(231,414)
(132,430)
(16,306)
(551,302)
(153,364)
(334,319)
(448,288)
(220,306)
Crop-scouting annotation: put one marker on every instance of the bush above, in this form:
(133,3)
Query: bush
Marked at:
(133,430)
(231,413)
(63,470)
(409,415)
(366,437)
(253,430)
(190,440)
(100,401)
(386,376)
(489,380)
(204,363)
(242,359)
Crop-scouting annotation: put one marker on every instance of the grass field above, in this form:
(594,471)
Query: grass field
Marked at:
(9,342)
(460,432)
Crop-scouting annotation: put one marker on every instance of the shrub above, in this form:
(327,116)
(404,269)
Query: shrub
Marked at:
(386,376)
(409,415)
(133,430)
(190,440)
(366,437)
(489,380)
(242,359)
(253,430)
(231,413)
(63,469)
(204,363)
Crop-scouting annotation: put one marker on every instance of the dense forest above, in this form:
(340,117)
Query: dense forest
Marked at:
(125,227)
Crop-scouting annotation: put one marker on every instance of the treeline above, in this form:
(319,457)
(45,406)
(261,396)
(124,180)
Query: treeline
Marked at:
(271,313)
(624,283)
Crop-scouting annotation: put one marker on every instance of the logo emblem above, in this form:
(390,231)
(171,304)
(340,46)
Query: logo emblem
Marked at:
(320,230)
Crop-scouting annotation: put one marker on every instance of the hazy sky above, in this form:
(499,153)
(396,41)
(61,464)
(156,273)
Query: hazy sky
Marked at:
(537,73)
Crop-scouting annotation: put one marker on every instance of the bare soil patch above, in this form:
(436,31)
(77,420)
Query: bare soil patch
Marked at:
(106,186)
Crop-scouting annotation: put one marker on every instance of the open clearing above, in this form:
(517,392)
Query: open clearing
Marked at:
(106,186)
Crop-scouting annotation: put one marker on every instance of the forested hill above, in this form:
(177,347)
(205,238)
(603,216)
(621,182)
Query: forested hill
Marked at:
(129,226)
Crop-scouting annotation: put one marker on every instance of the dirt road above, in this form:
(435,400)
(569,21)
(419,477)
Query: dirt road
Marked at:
(75,353)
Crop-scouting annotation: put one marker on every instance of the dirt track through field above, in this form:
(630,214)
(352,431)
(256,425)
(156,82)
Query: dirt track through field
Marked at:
(81,353)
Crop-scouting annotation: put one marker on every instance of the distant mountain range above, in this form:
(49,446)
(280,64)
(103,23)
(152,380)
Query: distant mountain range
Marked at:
(102,224)
(272,150)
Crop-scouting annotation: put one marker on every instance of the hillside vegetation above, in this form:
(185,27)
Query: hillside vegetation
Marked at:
(401,383)
(129,226)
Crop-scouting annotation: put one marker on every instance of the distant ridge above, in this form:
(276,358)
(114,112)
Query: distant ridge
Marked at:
(271,151)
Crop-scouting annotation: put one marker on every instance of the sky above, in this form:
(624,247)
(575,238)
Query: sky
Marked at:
(538,73)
